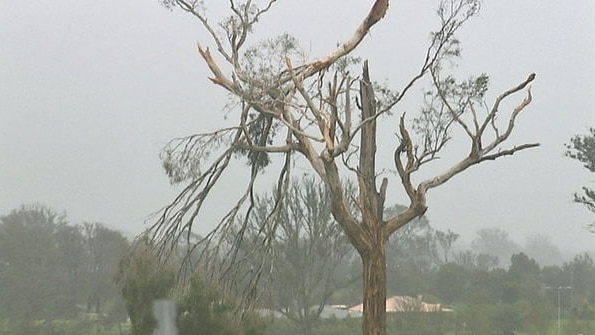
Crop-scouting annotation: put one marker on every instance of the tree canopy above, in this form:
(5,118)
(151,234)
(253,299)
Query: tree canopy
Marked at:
(51,269)
(582,149)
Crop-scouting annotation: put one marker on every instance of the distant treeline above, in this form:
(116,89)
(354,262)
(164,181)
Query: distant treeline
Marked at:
(51,269)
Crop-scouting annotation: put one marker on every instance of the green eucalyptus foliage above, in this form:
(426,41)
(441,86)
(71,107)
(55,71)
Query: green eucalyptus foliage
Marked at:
(582,149)
(205,310)
(143,279)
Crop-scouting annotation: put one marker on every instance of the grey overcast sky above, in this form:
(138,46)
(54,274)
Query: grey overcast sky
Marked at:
(90,91)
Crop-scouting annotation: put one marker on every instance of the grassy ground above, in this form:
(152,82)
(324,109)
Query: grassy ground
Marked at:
(63,327)
(280,327)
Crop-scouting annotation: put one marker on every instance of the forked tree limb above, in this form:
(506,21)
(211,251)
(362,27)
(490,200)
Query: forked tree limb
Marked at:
(503,96)
(476,156)
(417,195)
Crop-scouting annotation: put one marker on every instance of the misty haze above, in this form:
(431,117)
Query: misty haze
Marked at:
(311,167)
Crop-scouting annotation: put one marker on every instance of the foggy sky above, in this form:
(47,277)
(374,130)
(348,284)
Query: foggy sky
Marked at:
(90,91)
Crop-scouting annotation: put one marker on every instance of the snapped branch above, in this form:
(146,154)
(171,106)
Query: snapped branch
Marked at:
(377,12)
(405,171)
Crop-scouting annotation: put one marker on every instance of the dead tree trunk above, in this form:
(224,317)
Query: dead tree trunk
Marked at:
(374,290)
(373,251)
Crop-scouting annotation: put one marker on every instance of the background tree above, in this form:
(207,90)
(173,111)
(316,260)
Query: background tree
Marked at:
(495,242)
(412,246)
(445,242)
(451,283)
(582,148)
(580,275)
(542,249)
(143,279)
(305,114)
(474,261)
(104,248)
(42,262)
(309,246)
(522,280)
(413,251)
(48,270)
(205,309)
(410,252)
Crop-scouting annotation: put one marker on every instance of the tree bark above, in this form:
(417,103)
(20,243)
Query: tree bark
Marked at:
(374,290)
(371,203)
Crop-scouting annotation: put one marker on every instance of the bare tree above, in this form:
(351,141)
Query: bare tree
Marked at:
(495,242)
(308,248)
(446,241)
(306,114)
